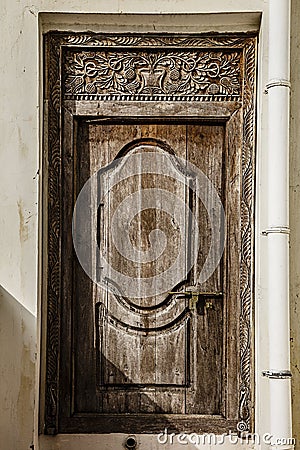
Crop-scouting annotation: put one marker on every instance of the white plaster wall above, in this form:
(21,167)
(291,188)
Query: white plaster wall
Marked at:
(19,200)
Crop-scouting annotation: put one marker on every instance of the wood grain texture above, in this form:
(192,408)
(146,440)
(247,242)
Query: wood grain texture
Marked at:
(178,369)
(233,328)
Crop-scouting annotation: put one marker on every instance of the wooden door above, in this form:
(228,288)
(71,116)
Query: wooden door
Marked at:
(148,312)
(148,346)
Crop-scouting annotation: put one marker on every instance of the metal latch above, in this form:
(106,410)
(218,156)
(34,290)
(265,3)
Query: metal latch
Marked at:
(195,297)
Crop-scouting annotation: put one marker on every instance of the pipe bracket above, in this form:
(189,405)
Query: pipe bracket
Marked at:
(279,230)
(277,374)
(278,83)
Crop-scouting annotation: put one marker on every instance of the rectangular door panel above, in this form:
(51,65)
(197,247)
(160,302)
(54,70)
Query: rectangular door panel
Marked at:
(147,348)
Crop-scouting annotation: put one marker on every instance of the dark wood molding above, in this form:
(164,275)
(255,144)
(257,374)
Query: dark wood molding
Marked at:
(57,46)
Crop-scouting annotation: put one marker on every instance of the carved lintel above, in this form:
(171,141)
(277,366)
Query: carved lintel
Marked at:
(153,75)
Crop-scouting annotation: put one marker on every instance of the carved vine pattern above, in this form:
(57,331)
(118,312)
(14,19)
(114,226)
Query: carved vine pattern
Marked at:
(52,108)
(53,45)
(152,75)
(247,239)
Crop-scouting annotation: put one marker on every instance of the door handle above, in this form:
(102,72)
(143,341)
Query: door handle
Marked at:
(194,297)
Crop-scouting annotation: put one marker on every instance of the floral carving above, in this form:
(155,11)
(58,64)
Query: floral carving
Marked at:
(155,75)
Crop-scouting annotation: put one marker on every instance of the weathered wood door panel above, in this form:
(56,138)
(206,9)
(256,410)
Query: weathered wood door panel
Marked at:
(148,321)
(153,353)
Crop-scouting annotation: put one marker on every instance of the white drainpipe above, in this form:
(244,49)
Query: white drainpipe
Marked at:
(278,88)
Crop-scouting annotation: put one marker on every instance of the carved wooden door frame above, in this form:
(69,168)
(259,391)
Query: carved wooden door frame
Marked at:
(222,89)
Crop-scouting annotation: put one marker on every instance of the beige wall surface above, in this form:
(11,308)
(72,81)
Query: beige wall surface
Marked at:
(20,149)
(17,338)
